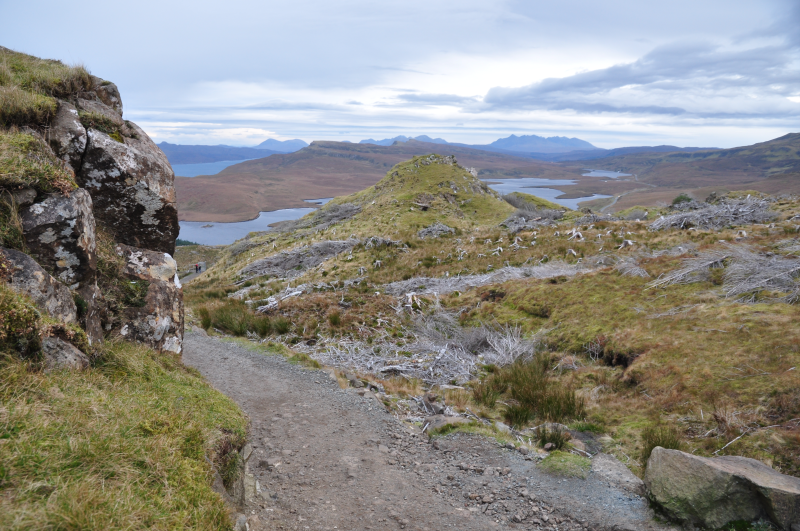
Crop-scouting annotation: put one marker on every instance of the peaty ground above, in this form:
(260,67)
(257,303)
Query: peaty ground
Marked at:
(327,458)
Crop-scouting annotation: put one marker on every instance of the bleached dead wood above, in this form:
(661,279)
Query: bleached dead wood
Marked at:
(723,214)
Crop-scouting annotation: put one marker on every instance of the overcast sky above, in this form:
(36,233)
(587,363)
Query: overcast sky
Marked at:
(615,73)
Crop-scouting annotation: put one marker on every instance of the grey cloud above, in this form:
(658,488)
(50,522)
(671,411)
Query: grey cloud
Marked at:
(437,99)
(693,73)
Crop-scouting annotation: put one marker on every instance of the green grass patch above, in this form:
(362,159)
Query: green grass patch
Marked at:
(566,465)
(121,445)
(25,162)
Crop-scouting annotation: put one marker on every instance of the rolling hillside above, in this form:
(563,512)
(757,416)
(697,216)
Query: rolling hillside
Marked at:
(328,169)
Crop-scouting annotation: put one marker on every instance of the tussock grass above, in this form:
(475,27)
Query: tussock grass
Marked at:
(19,107)
(11,234)
(234,317)
(28,86)
(666,437)
(26,162)
(122,445)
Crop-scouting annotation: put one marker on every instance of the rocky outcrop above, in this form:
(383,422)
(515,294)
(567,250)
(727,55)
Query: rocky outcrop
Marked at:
(67,136)
(159,322)
(60,233)
(127,186)
(108,93)
(27,277)
(58,354)
(712,492)
(132,185)
(292,263)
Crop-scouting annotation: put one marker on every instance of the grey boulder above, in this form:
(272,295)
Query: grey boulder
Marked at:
(67,136)
(58,354)
(159,322)
(436,422)
(133,188)
(60,233)
(712,492)
(28,278)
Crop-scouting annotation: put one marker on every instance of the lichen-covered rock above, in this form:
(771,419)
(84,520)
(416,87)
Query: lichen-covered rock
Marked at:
(60,233)
(147,265)
(91,318)
(159,322)
(712,492)
(108,93)
(97,107)
(132,185)
(58,354)
(27,277)
(67,136)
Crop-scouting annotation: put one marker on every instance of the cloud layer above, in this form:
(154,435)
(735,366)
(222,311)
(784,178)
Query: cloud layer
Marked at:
(718,73)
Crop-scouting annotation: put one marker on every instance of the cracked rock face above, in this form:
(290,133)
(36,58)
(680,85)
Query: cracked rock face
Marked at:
(58,354)
(67,136)
(28,277)
(59,231)
(159,323)
(132,185)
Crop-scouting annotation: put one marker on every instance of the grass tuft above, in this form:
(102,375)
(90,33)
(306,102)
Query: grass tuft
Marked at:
(26,162)
(567,465)
(664,436)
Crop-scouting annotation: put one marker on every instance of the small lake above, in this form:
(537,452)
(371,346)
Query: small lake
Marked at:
(539,188)
(212,233)
(203,168)
(604,173)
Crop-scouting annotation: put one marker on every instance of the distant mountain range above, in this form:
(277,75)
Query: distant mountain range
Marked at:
(525,144)
(196,154)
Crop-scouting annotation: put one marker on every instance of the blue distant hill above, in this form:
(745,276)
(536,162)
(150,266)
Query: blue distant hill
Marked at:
(402,138)
(283,146)
(197,154)
(516,144)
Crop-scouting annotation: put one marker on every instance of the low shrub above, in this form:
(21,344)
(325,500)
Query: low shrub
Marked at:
(488,391)
(281,325)
(335,319)
(205,317)
(664,436)
(517,416)
(555,436)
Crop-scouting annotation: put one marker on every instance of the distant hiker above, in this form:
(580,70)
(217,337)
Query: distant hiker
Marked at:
(197,268)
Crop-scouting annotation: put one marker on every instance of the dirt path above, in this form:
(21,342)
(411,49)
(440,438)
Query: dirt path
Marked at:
(347,464)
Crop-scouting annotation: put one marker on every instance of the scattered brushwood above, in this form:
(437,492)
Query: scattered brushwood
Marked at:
(436,351)
(528,216)
(629,267)
(637,215)
(591,217)
(746,275)
(289,264)
(750,274)
(376,242)
(436,230)
(443,285)
(725,213)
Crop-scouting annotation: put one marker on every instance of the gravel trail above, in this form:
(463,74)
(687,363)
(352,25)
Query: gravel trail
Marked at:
(345,463)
